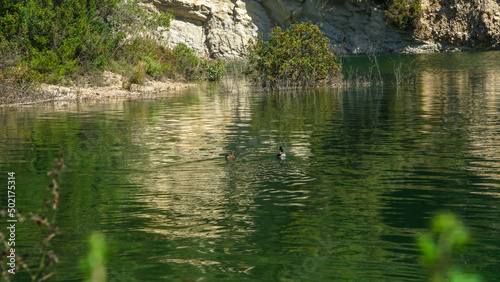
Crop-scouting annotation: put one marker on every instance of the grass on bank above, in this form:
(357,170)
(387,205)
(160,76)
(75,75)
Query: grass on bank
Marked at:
(143,57)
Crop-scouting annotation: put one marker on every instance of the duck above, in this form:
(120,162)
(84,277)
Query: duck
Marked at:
(281,153)
(231,155)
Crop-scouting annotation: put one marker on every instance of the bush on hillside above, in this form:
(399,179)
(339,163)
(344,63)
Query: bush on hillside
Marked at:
(297,56)
(57,39)
(63,40)
(214,71)
(180,62)
(402,13)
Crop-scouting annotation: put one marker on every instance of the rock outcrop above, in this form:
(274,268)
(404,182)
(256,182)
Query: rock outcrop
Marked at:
(216,28)
(222,28)
(460,22)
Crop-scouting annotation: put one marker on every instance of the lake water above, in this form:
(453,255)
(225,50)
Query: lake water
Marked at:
(366,169)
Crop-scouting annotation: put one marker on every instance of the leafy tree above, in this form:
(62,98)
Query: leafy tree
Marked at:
(297,56)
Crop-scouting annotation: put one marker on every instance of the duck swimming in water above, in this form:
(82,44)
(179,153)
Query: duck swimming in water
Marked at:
(231,155)
(281,153)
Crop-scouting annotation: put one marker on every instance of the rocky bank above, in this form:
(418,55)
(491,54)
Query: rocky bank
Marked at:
(107,87)
(222,28)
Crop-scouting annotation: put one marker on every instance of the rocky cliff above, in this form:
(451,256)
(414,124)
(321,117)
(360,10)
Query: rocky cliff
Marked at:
(460,22)
(222,28)
(215,28)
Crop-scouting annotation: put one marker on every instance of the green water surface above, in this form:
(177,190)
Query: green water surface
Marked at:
(366,168)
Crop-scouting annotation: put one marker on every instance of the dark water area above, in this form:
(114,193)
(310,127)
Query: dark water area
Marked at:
(366,169)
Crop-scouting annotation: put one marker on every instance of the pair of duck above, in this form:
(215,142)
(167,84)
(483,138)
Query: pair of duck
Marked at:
(280,154)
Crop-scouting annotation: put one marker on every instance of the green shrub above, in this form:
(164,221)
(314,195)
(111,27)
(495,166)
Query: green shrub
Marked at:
(180,62)
(184,63)
(153,66)
(296,56)
(58,39)
(214,71)
(54,40)
(138,20)
(47,66)
(187,63)
(403,13)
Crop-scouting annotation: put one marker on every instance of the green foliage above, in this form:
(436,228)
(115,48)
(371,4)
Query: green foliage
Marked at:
(403,13)
(180,62)
(137,19)
(184,62)
(436,248)
(94,264)
(214,71)
(296,56)
(187,63)
(56,39)
(153,66)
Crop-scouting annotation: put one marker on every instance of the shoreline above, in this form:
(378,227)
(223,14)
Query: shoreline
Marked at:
(109,86)
(109,89)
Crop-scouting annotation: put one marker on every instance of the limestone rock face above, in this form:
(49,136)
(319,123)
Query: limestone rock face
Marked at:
(216,28)
(460,22)
(222,28)
(355,27)
(283,12)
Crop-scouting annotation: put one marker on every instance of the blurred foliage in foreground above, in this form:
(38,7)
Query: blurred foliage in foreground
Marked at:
(447,235)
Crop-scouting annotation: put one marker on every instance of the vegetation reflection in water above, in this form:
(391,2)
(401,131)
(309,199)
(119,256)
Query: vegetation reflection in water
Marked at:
(365,170)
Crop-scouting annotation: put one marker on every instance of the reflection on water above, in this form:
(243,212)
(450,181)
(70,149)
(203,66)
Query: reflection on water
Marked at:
(468,100)
(365,169)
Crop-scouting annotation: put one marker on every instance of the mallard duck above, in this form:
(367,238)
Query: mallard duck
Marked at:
(281,153)
(231,155)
